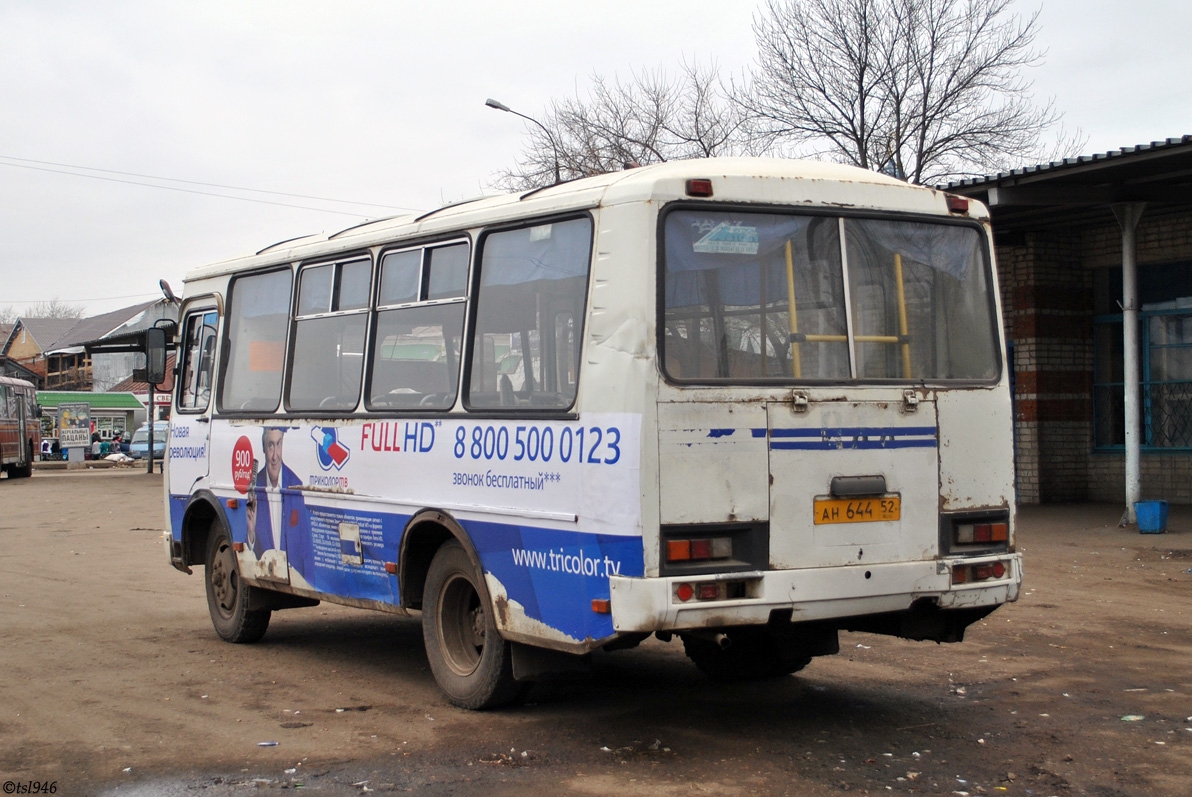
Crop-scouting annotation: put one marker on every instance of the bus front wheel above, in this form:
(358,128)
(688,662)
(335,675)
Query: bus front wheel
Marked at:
(228,596)
(470,661)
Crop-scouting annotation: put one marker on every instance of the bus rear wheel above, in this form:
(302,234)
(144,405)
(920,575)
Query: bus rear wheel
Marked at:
(228,597)
(471,662)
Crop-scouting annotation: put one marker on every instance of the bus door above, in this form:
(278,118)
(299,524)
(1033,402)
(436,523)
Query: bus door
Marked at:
(24,451)
(190,425)
(852,482)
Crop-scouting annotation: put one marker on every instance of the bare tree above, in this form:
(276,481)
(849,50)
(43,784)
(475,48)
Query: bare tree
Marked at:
(928,90)
(47,308)
(649,119)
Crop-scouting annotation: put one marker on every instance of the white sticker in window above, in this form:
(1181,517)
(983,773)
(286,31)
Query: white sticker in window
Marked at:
(540,233)
(728,239)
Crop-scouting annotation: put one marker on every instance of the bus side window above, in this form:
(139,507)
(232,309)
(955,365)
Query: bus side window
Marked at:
(419,326)
(529,311)
(255,342)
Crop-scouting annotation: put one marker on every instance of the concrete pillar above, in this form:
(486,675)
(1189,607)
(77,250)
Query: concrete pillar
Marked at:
(1128,215)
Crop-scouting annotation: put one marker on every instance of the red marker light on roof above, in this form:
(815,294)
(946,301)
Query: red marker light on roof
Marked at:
(699,188)
(958,204)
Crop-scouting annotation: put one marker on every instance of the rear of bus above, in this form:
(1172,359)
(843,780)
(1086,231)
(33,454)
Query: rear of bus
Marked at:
(834,422)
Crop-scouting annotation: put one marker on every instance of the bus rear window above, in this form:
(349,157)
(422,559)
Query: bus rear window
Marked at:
(779,297)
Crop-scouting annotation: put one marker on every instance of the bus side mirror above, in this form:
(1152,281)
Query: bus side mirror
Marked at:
(155,355)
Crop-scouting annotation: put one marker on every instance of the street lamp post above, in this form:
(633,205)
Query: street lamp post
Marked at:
(491,103)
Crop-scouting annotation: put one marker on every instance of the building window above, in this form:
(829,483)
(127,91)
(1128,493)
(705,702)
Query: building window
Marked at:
(1165,362)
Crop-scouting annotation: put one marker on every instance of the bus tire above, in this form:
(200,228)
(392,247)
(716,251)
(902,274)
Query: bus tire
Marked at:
(472,664)
(228,597)
(750,655)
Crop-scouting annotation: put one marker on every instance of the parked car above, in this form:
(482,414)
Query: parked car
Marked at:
(140,440)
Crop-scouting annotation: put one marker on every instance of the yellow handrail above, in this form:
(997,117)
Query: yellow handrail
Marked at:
(903,336)
(796,362)
(902,326)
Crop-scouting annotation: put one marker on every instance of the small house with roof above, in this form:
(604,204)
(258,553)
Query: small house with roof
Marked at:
(53,348)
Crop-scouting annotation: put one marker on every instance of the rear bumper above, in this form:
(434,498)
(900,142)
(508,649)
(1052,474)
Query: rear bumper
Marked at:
(826,593)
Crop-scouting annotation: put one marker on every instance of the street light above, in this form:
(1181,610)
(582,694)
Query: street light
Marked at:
(500,106)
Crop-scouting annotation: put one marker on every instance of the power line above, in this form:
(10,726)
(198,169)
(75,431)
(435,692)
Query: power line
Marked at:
(210,185)
(192,191)
(80,301)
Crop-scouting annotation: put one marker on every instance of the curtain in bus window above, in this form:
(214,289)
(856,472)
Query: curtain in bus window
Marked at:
(921,297)
(729,281)
(314,289)
(447,271)
(355,280)
(400,272)
(529,316)
(258,317)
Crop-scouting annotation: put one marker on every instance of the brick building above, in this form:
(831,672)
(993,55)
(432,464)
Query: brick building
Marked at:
(1065,234)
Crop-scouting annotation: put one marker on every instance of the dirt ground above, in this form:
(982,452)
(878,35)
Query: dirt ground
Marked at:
(112,682)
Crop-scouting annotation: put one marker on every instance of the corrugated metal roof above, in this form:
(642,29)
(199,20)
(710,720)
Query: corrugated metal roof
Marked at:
(47,331)
(1069,163)
(102,401)
(96,326)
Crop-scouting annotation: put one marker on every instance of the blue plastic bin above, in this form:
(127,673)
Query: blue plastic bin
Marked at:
(1152,516)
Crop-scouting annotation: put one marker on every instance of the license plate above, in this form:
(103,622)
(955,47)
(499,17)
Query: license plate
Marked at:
(857,510)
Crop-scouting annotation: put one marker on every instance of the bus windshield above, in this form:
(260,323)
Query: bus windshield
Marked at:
(872,299)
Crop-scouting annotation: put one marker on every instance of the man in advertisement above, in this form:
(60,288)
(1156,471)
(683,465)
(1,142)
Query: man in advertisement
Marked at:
(276,515)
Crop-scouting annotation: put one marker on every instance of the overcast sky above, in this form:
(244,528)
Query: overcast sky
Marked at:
(383,102)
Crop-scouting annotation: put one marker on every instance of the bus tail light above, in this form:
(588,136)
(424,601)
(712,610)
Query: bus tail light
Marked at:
(968,574)
(699,187)
(713,590)
(976,533)
(699,550)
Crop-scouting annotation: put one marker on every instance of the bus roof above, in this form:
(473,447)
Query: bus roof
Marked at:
(751,180)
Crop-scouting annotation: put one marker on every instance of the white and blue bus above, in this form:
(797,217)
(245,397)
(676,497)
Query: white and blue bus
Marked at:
(747,402)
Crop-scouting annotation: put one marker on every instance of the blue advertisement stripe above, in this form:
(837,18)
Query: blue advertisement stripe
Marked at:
(552,574)
(857,431)
(833,445)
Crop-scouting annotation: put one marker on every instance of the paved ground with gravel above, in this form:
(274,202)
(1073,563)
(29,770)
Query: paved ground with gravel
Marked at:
(112,682)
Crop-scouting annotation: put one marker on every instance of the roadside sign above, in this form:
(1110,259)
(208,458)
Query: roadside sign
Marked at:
(74,425)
